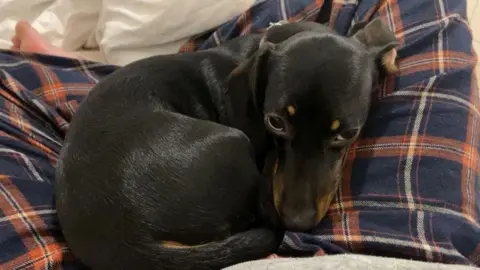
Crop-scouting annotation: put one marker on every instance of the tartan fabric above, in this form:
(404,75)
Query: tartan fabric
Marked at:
(411,182)
(38,96)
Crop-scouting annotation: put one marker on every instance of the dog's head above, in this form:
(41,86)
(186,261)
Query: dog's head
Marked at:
(314,91)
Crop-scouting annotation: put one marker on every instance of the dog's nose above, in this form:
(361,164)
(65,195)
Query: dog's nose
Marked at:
(299,221)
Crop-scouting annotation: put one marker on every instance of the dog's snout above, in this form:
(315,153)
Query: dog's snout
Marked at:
(299,221)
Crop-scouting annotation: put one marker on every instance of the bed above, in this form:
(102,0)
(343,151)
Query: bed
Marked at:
(409,197)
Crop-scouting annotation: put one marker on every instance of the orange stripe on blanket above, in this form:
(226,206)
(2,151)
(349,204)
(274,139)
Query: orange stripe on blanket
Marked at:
(430,62)
(60,253)
(31,229)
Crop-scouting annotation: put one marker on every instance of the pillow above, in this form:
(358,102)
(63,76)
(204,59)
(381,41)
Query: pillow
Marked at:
(131,30)
(69,24)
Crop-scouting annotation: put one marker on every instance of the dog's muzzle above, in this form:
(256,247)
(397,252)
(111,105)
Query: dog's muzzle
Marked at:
(302,204)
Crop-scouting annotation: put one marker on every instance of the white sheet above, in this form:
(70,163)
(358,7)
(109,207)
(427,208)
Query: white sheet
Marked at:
(66,23)
(137,29)
(123,30)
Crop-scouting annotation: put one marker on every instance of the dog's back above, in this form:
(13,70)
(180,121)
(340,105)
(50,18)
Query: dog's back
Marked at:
(132,181)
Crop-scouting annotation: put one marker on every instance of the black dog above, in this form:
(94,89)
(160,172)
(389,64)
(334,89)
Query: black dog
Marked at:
(160,167)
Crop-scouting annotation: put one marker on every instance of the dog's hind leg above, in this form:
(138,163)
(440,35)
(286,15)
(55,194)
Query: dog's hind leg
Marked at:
(246,246)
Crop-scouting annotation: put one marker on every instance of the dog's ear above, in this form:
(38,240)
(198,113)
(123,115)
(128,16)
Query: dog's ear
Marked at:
(253,72)
(356,27)
(379,40)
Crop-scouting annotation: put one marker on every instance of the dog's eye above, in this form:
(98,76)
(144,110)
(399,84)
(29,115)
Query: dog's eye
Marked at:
(276,123)
(347,135)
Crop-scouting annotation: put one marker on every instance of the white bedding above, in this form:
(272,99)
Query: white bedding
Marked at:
(121,30)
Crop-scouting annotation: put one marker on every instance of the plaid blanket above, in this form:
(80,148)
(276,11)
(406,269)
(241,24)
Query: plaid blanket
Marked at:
(411,182)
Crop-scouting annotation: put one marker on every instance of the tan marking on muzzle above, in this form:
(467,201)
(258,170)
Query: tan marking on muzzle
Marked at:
(335,125)
(275,167)
(291,110)
(323,205)
(277,187)
(388,61)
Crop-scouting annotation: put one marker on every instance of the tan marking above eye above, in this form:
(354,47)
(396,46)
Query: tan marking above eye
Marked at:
(335,125)
(291,110)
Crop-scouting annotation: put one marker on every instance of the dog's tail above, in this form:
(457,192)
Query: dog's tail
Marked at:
(249,245)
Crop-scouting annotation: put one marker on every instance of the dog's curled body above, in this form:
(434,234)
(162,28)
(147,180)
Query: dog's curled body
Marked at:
(161,164)
(146,165)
